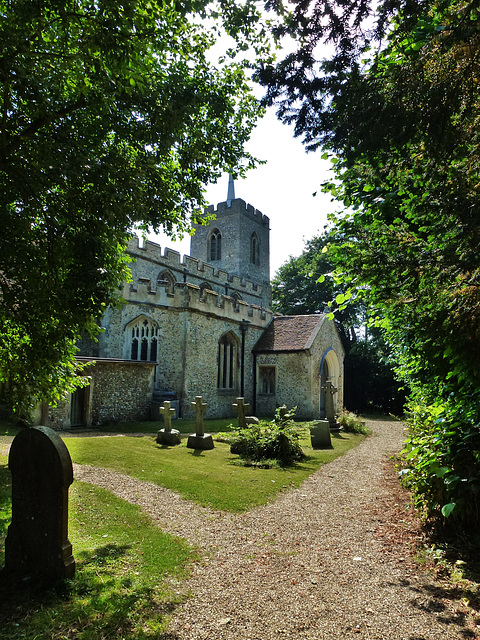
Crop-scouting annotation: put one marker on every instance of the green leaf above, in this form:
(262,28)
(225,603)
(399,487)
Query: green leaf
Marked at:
(448,508)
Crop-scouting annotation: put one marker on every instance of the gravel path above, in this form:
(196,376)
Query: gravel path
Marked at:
(311,565)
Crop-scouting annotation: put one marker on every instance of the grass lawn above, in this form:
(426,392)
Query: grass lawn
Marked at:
(129,573)
(127,578)
(212,478)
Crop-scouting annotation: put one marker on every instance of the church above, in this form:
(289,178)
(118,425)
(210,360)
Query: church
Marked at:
(203,326)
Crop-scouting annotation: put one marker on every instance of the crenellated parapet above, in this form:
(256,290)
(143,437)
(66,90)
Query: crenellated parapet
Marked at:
(150,261)
(237,206)
(187,296)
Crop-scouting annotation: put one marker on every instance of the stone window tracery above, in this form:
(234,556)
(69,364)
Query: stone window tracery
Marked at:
(215,246)
(267,380)
(142,340)
(227,362)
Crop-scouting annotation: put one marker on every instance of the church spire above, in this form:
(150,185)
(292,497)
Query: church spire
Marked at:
(231,191)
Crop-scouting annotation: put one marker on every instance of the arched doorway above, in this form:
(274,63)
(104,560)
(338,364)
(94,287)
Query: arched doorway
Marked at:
(329,370)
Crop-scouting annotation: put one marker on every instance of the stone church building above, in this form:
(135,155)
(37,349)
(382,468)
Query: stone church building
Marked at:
(202,325)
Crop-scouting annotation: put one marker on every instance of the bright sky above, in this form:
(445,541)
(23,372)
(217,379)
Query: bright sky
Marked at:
(281,189)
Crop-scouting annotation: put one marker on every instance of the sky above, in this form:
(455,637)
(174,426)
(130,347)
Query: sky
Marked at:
(281,189)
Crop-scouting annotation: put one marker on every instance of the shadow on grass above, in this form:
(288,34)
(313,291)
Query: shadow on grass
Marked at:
(100,602)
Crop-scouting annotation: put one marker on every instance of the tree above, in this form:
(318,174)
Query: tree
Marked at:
(305,285)
(396,108)
(112,118)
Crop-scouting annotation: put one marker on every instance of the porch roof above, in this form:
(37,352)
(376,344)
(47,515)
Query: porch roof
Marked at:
(289,333)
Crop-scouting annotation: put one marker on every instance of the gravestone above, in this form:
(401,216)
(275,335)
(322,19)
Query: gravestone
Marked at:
(167,435)
(37,549)
(200,439)
(330,391)
(320,435)
(241,407)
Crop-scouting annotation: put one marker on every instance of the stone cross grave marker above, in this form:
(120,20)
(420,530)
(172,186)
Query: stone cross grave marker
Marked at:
(167,413)
(199,440)
(330,390)
(37,549)
(241,408)
(167,435)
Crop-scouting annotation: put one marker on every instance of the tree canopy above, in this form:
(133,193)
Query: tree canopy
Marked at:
(112,117)
(396,108)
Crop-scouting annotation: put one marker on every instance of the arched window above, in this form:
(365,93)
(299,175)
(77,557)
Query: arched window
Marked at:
(215,246)
(227,361)
(141,339)
(165,278)
(254,249)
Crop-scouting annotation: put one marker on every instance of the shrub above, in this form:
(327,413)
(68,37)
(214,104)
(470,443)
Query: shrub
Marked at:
(269,442)
(352,423)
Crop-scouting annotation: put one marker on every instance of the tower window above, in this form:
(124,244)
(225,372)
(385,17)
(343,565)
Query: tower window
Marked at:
(215,246)
(254,249)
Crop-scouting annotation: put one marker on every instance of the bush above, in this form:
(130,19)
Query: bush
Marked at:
(352,423)
(268,443)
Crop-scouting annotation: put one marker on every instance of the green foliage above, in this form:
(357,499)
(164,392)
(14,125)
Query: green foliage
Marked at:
(352,423)
(400,122)
(269,442)
(442,460)
(306,284)
(112,118)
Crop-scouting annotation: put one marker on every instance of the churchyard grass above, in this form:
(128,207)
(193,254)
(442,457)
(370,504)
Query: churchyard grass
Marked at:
(198,475)
(126,580)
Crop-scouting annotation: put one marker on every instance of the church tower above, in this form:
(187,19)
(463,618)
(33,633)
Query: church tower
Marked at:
(237,241)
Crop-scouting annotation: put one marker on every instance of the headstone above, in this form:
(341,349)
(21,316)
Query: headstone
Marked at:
(330,391)
(241,408)
(37,549)
(167,435)
(320,435)
(200,439)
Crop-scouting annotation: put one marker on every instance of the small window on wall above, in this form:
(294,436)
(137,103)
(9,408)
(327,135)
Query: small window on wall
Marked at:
(267,381)
(227,362)
(254,249)
(142,336)
(215,246)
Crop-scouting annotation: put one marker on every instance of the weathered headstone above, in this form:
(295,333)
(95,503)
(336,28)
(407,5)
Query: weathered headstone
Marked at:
(200,439)
(330,391)
(167,435)
(241,407)
(37,549)
(320,434)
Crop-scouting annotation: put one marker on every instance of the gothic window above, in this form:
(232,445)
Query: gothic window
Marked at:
(254,249)
(227,362)
(267,380)
(215,246)
(142,339)
(166,279)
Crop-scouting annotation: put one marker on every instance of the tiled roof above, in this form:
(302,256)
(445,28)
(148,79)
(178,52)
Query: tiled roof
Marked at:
(288,333)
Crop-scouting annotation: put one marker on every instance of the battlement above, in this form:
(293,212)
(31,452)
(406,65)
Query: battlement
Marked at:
(238,206)
(172,260)
(189,296)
